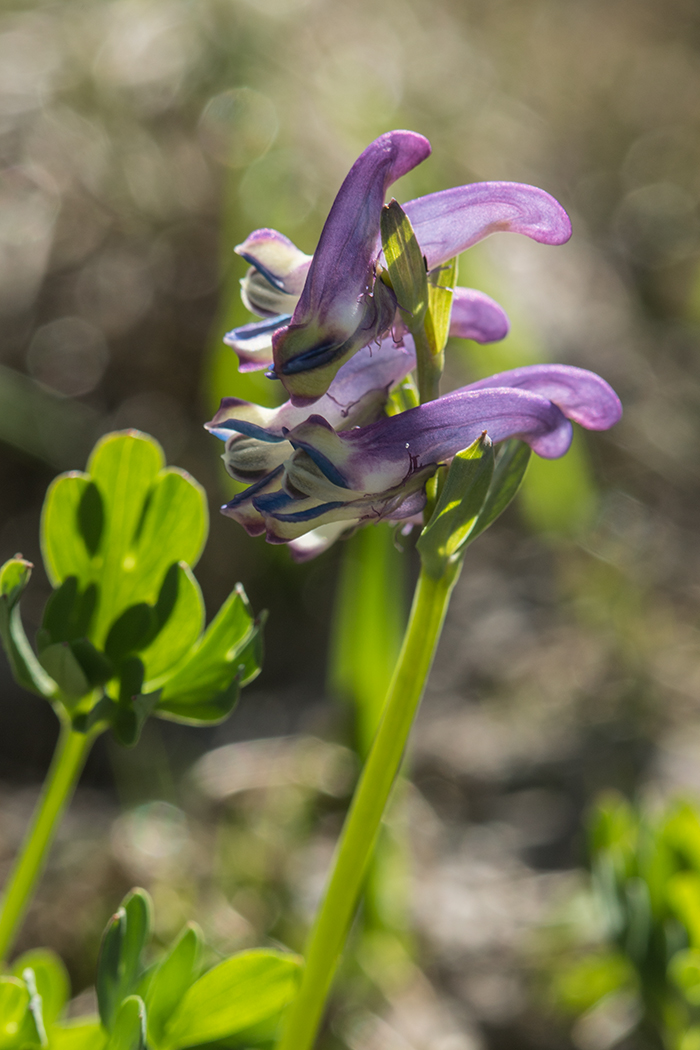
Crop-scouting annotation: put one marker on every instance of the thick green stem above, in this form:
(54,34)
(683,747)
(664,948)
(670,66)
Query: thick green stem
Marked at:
(429,366)
(363,822)
(67,764)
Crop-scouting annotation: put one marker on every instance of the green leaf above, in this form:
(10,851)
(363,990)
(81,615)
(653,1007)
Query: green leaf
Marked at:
(181,630)
(441,285)
(171,979)
(63,546)
(129,720)
(153,517)
(95,665)
(250,656)
(201,712)
(215,659)
(174,527)
(462,498)
(59,661)
(69,611)
(14,1003)
(238,993)
(80,1034)
(91,518)
(119,967)
(131,631)
(129,1032)
(26,669)
(122,525)
(51,977)
(508,475)
(405,263)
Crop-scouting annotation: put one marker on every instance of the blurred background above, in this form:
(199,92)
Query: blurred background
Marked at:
(140,140)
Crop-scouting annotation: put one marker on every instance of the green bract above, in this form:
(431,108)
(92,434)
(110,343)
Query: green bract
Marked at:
(122,634)
(476,490)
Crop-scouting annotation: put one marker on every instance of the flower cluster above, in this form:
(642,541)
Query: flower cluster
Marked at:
(333,332)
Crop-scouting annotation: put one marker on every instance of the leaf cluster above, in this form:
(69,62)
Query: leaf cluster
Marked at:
(171,1004)
(646,882)
(122,635)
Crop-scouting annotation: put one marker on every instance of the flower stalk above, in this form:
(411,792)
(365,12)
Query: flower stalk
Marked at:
(359,836)
(67,764)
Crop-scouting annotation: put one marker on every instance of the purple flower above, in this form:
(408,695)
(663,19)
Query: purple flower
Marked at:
(318,311)
(320,470)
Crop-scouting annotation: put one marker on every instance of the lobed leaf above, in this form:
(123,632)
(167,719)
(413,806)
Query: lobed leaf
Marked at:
(182,628)
(78,1035)
(122,524)
(64,547)
(233,996)
(119,967)
(171,980)
(129,1032)
(14,1003)
(229,651)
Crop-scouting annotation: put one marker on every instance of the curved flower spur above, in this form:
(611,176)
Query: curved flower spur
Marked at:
(319,310)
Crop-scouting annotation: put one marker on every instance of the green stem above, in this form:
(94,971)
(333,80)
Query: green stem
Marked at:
(429,366)
(363,822)
(67,764)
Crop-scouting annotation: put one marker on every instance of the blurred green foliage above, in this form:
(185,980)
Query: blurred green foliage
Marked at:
(173,1002)
(646,896)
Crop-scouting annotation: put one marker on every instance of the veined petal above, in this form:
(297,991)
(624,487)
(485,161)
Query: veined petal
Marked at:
(241,507)
(355,397)
(477,316)
(277,259)
(335,303)
(249,459)
(253,342)
(385,454)
(450,221)
(581,395)
(287,517)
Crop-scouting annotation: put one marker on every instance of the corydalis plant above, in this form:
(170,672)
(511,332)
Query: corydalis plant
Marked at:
(122,635)
(376,302)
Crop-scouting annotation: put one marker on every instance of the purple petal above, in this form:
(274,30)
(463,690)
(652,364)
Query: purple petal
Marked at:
(581,395)
(477,316)
(356,396)
(241,507)
(318,540)
(383,455)
(449,222)
(335,304)
(253,342)
(277,259)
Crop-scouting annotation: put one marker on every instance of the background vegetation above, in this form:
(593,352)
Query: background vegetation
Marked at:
(139,141)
